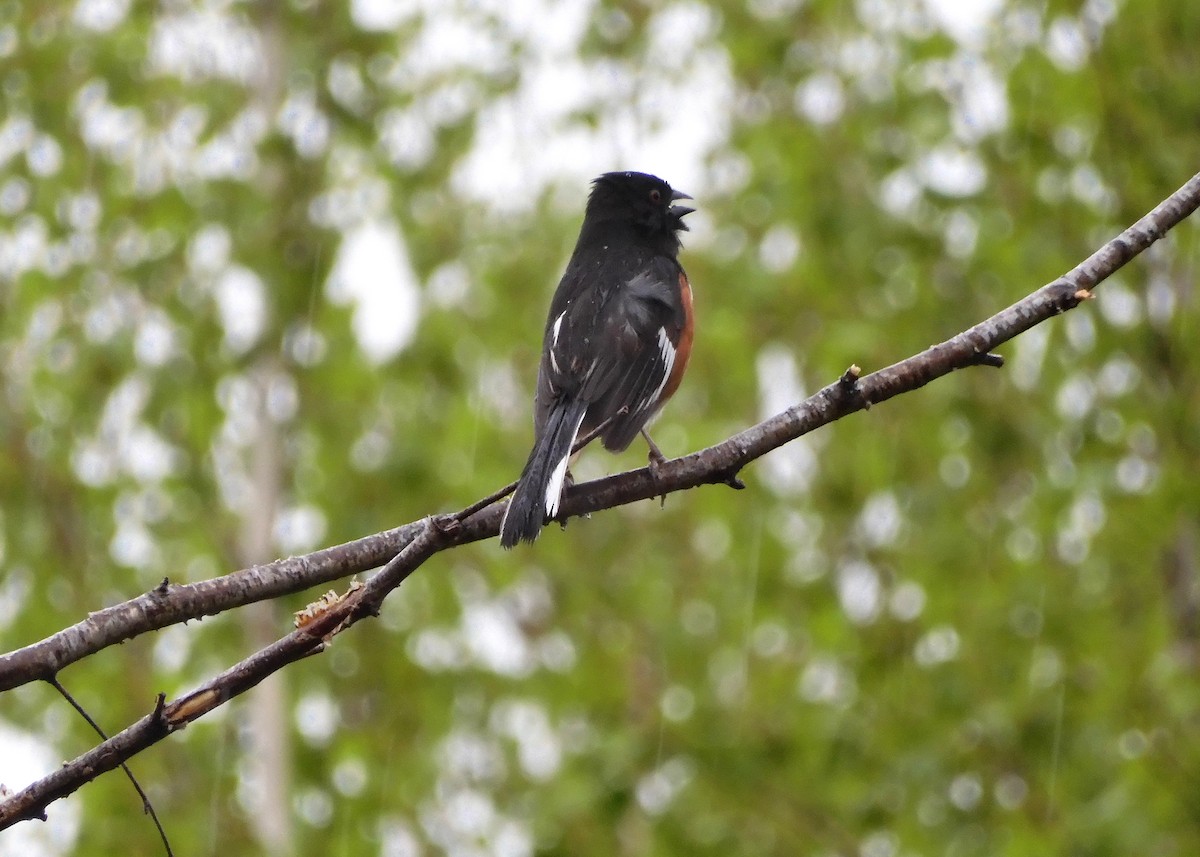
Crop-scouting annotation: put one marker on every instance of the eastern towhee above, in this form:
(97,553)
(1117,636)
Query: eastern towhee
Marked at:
(617,339)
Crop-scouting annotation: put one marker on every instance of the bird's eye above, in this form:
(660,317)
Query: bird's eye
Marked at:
(655,196)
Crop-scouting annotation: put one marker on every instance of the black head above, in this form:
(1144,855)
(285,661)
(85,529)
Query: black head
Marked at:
(644,201)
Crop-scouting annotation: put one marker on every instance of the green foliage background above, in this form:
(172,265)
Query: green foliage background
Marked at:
(964,622)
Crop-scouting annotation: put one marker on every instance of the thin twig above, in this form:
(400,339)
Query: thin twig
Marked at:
(483,503)
(147,806)
(495,496)
(310,638)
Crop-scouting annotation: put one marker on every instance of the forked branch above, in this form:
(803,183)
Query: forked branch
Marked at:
(402,550)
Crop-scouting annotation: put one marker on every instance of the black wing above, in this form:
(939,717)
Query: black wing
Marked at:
(616,353)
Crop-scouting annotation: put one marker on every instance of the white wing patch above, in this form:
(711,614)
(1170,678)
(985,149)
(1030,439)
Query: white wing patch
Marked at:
(666,350)
(554,331)
(668,356)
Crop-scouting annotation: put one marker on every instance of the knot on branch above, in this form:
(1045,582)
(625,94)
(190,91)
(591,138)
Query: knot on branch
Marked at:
(847,385)
(1070,294)
(983,358)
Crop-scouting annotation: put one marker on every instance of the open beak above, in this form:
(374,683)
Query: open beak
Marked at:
(678,211)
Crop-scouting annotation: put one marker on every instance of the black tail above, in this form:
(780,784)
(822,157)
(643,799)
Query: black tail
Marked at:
(537,494)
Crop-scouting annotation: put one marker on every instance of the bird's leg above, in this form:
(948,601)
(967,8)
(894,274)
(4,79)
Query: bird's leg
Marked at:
(656,460)
(656,456)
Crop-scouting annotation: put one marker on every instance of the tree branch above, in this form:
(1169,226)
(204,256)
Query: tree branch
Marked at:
(405,548)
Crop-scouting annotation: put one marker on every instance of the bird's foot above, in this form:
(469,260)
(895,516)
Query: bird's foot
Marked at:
(655,463)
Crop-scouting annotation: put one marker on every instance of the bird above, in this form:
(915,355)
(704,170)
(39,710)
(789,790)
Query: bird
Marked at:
(616,343)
